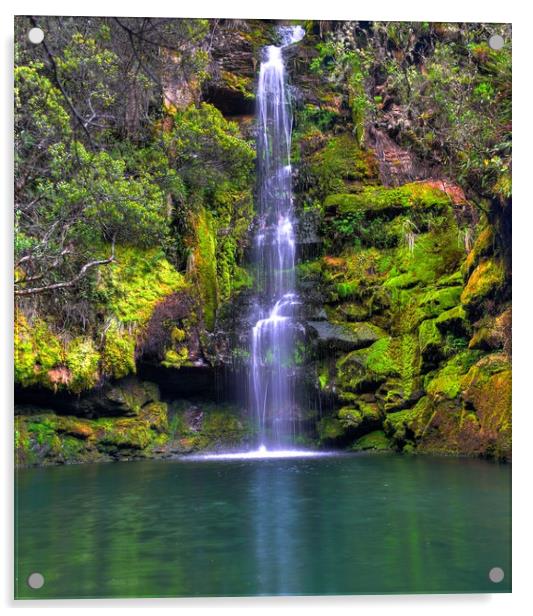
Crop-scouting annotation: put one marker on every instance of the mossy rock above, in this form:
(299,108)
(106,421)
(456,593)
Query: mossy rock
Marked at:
(450,280)
(156,415)
(433,256)
(118,354)
(137,281)
(367,369)
(437,301)
(488,389)
(395,394)
(447,381)
(486,282)
(467,410)
(38,353)
(493,333)
(130,395)
(330,430)
(431,342)
(346,336)
(360,415)
(204,267)
(47,438)
(373,441)
(128,290)
(207,428)
(388,202)
(437,427)
(120,436)
(453,321)
(350,417)
(483,247)
(339,163)
(399,426)
(82,361)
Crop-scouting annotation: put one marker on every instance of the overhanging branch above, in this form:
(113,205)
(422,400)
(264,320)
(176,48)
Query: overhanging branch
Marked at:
(68,283)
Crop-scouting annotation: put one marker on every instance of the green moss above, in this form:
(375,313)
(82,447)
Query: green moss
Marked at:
(133,394)
(374,201)
(451,280)
(330,429)
(376,441)
(48,438)
(483,247)
(485,282)
(488,388)
(238,83)
(431,341)
(396,357)
(436,301)
(434,254)
(175,359)
(454,322)
(136,283)
(118,353)
(341,161)
(447,381)
(388,357)
(155,414)
(36,352)
(204,267)
(400,427)
(82,362)
(350,417)
(177,335)
(127,433)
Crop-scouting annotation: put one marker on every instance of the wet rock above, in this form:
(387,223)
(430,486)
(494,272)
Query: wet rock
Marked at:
(345,337)
(374,441)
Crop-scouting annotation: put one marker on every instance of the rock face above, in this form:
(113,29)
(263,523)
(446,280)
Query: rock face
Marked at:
(414,299)
(127,421)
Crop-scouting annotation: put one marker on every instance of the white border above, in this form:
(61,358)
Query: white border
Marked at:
(519,601)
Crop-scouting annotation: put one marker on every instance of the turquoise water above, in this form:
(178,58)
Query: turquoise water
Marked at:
(328,525)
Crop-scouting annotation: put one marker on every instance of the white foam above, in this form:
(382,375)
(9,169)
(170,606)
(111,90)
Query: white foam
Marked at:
(261,453)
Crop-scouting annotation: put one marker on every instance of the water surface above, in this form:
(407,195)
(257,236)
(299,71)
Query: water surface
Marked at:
(326,525)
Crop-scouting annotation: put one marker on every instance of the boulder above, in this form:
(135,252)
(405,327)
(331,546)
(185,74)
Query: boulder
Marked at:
(346,336)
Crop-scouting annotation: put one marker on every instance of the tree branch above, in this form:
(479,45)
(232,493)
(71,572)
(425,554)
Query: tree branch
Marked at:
(68,283)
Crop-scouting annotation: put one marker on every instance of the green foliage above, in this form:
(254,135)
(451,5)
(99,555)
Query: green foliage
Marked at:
(206,148)
(113,204)
(342,67)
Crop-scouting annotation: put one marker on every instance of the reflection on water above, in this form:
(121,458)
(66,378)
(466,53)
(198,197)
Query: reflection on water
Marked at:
(340,524)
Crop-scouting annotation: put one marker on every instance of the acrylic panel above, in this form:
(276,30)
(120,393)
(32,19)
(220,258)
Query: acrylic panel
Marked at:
(262,307)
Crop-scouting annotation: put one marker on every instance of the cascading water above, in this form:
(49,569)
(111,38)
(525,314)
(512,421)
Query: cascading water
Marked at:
(273,348)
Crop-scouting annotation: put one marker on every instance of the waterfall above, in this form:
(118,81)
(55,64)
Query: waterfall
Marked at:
(273,341)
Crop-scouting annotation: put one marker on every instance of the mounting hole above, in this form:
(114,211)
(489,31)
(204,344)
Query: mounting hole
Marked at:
(496,42)
(496,575)
(36,36)
(35,581)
